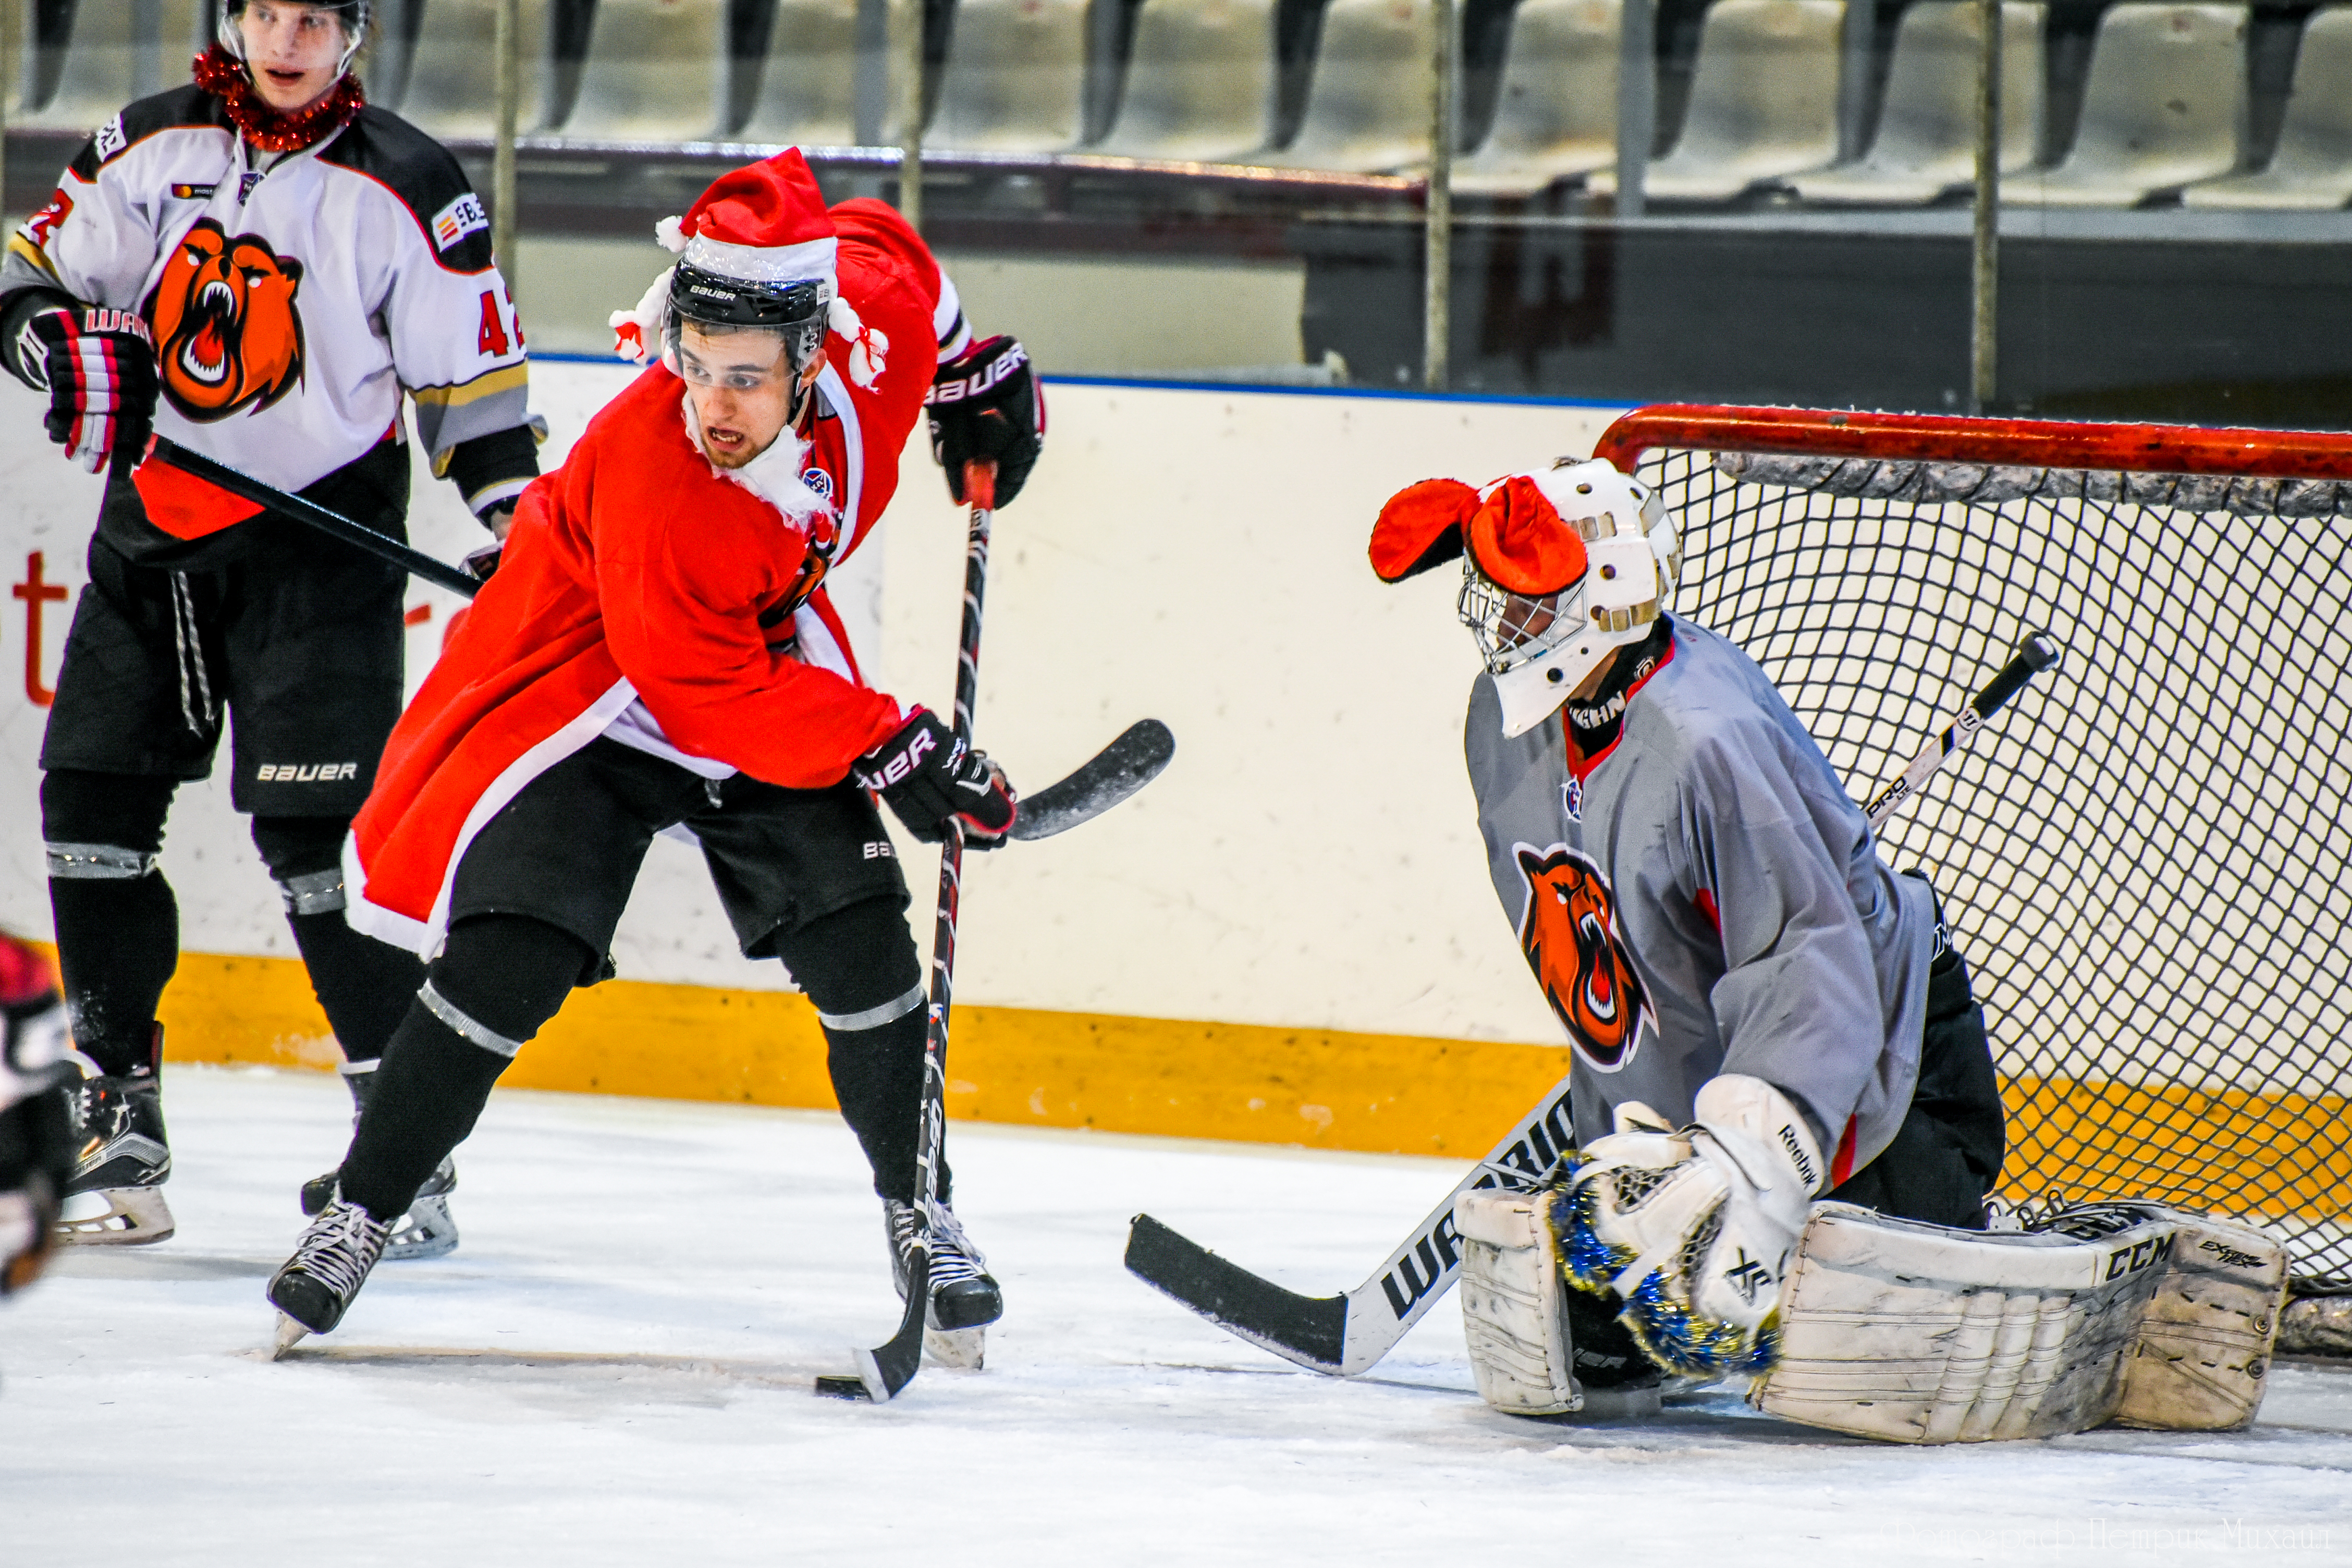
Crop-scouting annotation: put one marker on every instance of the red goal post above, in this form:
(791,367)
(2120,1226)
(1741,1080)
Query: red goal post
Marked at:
(2147,858)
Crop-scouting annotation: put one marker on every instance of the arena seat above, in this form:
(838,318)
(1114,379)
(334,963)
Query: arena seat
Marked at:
(2312,165)
(102,71)
(2164,106)
(1763,101)
(655,71)
(1200,83)
(807,94)
(1556,112)
(452,91)
(1926,139)
(1015,80)
(1368,100)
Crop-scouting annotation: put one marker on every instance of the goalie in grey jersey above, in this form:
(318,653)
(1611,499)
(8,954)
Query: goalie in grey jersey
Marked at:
(1707,915)
(1786,1111)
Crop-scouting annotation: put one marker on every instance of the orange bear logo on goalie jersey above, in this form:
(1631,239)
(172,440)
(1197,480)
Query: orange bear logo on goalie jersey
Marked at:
(1569,936)
(227,336)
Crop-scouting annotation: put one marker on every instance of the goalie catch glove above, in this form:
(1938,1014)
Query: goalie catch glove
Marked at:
(98,365)
(1695,1230)
(928,776)
(988,406)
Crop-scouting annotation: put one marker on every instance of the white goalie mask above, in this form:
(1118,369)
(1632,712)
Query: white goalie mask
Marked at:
(1539,648)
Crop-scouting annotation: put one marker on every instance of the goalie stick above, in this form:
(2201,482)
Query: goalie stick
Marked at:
(1131,761)
(1347,1334)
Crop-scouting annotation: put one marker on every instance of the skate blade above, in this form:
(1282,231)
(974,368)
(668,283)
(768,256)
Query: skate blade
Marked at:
(962,1349)
(134,1216)
(425,1231)
(289,1334)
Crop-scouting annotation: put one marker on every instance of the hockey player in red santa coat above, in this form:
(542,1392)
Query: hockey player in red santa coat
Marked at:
(656,650)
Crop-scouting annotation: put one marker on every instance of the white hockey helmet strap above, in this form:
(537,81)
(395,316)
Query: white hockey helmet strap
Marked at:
(1633,557)
(352,13)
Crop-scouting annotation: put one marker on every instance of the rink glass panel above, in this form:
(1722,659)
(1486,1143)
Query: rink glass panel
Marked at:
(2143,859)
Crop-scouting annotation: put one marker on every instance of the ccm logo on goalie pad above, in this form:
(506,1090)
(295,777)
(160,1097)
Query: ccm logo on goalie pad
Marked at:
(306,773)
(2132,1259)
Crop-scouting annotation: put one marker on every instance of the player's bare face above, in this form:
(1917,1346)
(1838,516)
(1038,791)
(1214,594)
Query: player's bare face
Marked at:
(1525,620)
(291,51)
(742,388)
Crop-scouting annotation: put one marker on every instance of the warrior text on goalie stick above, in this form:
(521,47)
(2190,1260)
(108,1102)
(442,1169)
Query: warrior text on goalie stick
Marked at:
(1348,1334)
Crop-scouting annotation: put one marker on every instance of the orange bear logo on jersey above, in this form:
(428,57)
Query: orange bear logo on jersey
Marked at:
(1570,935)
(227,336)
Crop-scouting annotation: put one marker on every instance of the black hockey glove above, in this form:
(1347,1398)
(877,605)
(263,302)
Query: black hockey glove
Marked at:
(927,776)
(988,404)
(99,368)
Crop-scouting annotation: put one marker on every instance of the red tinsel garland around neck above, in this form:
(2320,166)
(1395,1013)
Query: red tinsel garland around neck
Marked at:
(223,75)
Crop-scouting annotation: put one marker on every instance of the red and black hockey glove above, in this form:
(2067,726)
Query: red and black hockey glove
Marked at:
(988,406)
(98,367)
(927,776)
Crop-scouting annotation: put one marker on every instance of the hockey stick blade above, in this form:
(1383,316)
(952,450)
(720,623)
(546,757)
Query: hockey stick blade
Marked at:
(1344,1335)
(2039,651)
(888,1367)
(1116,772)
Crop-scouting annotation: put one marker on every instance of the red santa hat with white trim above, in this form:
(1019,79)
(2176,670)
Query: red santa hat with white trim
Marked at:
(764,226)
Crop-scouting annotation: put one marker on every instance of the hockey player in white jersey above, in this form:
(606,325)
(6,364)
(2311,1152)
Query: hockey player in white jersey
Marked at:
(1760,1012)
(257,265)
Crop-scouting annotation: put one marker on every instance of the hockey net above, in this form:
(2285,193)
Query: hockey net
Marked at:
(2143,857)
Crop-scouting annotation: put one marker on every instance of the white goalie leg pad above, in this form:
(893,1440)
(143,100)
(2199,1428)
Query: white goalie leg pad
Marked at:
(1921,1333)
(1514,1304)
(2205,1341)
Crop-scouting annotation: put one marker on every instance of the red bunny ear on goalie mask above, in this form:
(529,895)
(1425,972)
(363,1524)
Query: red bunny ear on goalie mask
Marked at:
(1522,545)
(1421,527)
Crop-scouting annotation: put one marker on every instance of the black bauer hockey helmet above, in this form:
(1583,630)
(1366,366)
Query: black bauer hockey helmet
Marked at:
(794,310)
(354,15)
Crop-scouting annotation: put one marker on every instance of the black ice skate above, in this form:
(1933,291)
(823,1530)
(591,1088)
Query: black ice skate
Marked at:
(964,1298)
(315,1287)
(123,1155)
(427,1230)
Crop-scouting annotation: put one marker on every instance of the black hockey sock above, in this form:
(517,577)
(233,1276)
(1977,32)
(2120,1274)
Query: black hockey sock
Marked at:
(500,978)
(117,928)
(364,985)
(860,967)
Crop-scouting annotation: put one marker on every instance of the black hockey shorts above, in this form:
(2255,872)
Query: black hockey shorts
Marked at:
(299,636)
(566,850)
(1946,1154)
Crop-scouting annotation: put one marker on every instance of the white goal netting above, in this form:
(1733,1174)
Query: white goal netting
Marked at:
(2143,857)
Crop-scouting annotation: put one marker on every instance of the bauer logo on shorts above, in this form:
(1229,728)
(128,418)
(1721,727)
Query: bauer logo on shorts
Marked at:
(459,218)
(1569,934)
(306,773)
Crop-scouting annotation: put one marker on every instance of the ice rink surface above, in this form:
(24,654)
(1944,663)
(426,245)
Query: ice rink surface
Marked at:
(615,1368)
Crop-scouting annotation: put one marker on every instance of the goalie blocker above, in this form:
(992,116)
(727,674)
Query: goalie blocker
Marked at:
(2129,1312)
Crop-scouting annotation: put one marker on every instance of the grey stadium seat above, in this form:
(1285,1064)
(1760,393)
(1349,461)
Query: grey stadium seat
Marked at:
(1926,139)
(655,71)
(2164,106)
(103,68)
(1015,80)
(1557,115)
(1200,82)
(452,91)
(1367,101)
(808,84)
(1763,101)
(2313,166)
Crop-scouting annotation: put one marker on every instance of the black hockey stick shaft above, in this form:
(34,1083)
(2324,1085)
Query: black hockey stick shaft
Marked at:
(438,573)
(2037,653)
(883,1370)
